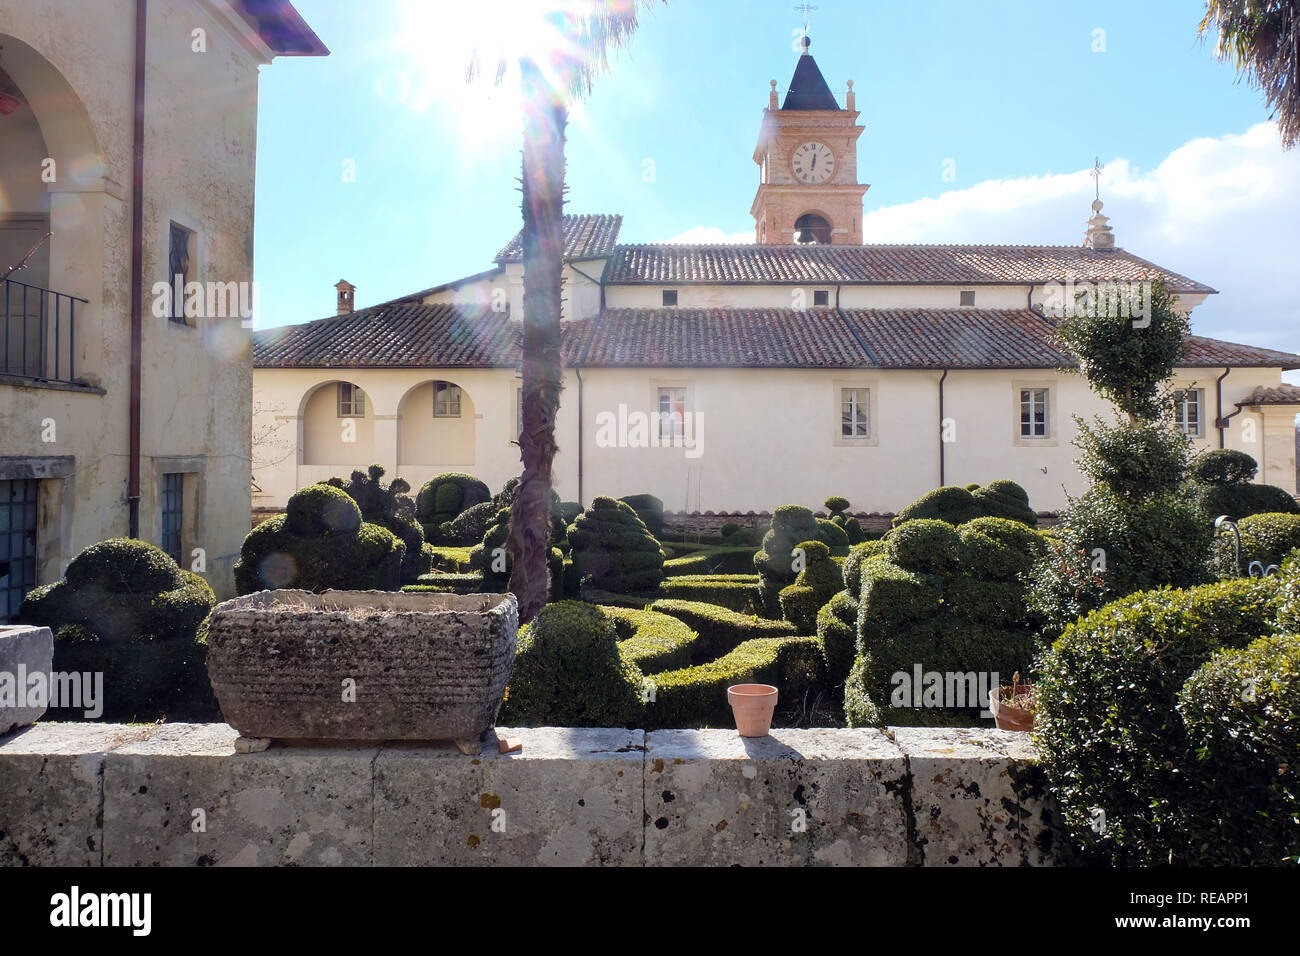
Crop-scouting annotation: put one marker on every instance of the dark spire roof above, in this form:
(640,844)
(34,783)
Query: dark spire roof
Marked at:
(808,89)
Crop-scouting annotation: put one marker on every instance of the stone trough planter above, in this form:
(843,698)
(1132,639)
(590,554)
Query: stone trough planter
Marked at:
(362,665)
(24,650)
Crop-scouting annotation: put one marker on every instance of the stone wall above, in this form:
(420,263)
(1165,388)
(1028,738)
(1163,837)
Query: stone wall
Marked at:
(179,795)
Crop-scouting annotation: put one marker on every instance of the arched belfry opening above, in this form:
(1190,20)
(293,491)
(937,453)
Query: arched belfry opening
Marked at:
(812,229)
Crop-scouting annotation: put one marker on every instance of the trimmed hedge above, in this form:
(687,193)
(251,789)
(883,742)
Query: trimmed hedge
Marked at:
(790,525)
(1108,732)
(724,560)
(957,505)
(613,550)
(1242,712)
(392,508)
(125,609)
(320,542)
(444,497)
(1005,499)
(468,583)
(837,630)
(735,592)
(649,509)
(815,585)
(468,527)
(1222,483)
(697,696)
(651,640)
(1266,538)
(720,630)
(568,672)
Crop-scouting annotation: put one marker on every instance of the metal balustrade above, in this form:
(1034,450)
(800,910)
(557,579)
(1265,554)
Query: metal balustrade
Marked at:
(38,335)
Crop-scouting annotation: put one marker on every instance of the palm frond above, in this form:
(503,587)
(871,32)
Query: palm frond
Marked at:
(1261,38)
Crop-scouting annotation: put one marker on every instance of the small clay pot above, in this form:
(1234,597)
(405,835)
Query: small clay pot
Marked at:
(1007,717)
(753,706)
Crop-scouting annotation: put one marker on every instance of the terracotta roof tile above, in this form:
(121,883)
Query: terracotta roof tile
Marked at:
(1284,394)
(585,237)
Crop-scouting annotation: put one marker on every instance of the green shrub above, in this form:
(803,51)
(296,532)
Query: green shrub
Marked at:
(735,592)
(790,525)
(853,530)
(816,584)
(126,610)
(1001,549)
(569,510)
(1223,466)
(925,544)
(613,550)
(852,567)
(1108,732)
(1240,501)
(650,510)
(831,534)
(1005,499)
(469,582)
(697,696)
(1266,538)
(729,528)
(750,538)
(320,542)
(568,672)
(392,508)
(836,504)
(1135,461)
(651,640)
(720,630)
(444,497)
(468,527)
(1242,712)
(950,503)
(837,630)
(712,561)
(448,558)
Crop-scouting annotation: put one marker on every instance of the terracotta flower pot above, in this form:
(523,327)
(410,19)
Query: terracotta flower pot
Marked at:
(1007,716)
(752,705)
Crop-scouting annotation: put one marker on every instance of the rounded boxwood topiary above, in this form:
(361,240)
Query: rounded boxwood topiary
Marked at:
(836,504)
(1001,548)
(1223,466)
(1242,712)
(831,534)
(950,503)
(728,529)
(124,609)
(852,567)
(813,587)
(468,527)
(613,550)
(837,629)
(650,510)
(1106,724)
(331,553)
(925,544)
(568,672)
(774,562)
(444,497)
(1005,499)
(391,508)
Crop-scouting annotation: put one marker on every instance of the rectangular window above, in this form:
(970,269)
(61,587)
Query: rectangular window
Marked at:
(855,413)
(968,298)
(1188,403)
(173,509)
(179,272)
(670,296)
(1033,413)
(352,401)
(672,413)
(17,544)
(821,297)
(446,400)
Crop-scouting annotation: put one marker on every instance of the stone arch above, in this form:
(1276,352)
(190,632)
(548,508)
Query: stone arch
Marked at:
(326,438)
(427,431)
(814,225)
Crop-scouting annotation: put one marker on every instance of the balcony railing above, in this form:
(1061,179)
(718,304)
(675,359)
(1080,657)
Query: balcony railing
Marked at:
(38,334)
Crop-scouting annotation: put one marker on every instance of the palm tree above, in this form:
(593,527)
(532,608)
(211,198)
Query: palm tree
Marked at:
(584,32)
(1262,38)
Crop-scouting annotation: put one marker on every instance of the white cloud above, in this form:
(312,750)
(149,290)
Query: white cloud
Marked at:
(1223,211)
(701,235)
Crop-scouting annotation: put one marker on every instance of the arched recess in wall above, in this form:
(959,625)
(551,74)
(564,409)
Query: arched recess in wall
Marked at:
(812,228)
(337,426)
(437,425)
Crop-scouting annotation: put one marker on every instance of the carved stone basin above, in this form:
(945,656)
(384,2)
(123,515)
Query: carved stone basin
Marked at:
(362,665)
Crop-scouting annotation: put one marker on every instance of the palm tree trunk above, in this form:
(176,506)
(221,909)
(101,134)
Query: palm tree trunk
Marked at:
(545,117)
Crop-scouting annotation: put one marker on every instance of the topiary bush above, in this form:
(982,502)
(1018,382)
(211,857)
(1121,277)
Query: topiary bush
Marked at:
(775,563)
(816,584)
(392,508)
(613,550)
(950,503)
(1107,727)
(126,610)
(651,640)
(568,672)
(831,534)
(468,527)
(1005,499)
(319,542)
(650,510)
(1242,713)
(736,592)
(444,497)
(925,544)
(1265,538)
(719,629)
(1223,466)
(1222,483)
(713,561)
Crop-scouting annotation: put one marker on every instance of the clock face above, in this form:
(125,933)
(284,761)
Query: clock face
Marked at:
(813,162)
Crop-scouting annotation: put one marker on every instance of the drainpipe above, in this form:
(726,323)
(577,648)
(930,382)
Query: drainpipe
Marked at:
(577,370)
(137,274)
(942,463)
(1220,422)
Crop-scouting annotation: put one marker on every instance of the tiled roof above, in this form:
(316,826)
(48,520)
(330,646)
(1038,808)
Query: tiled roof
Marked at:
(410,335)
(447,286)
(401,335)
(1284,394)
(889,264)
(585,237)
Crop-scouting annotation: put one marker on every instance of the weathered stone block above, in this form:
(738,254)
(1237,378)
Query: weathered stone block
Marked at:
(183,797)
(570,797)
(24,650)
(977,797)
(51,796)
(819,796)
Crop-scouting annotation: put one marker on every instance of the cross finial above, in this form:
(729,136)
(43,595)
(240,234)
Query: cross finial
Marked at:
(1097,167)
(805,9)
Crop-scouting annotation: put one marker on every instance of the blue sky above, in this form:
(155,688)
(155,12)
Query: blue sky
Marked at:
(1014,93)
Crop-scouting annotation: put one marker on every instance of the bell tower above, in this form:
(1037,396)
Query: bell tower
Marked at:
(807,157)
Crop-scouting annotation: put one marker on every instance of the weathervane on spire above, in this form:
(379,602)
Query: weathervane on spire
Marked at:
(1097,167)
(805,9)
